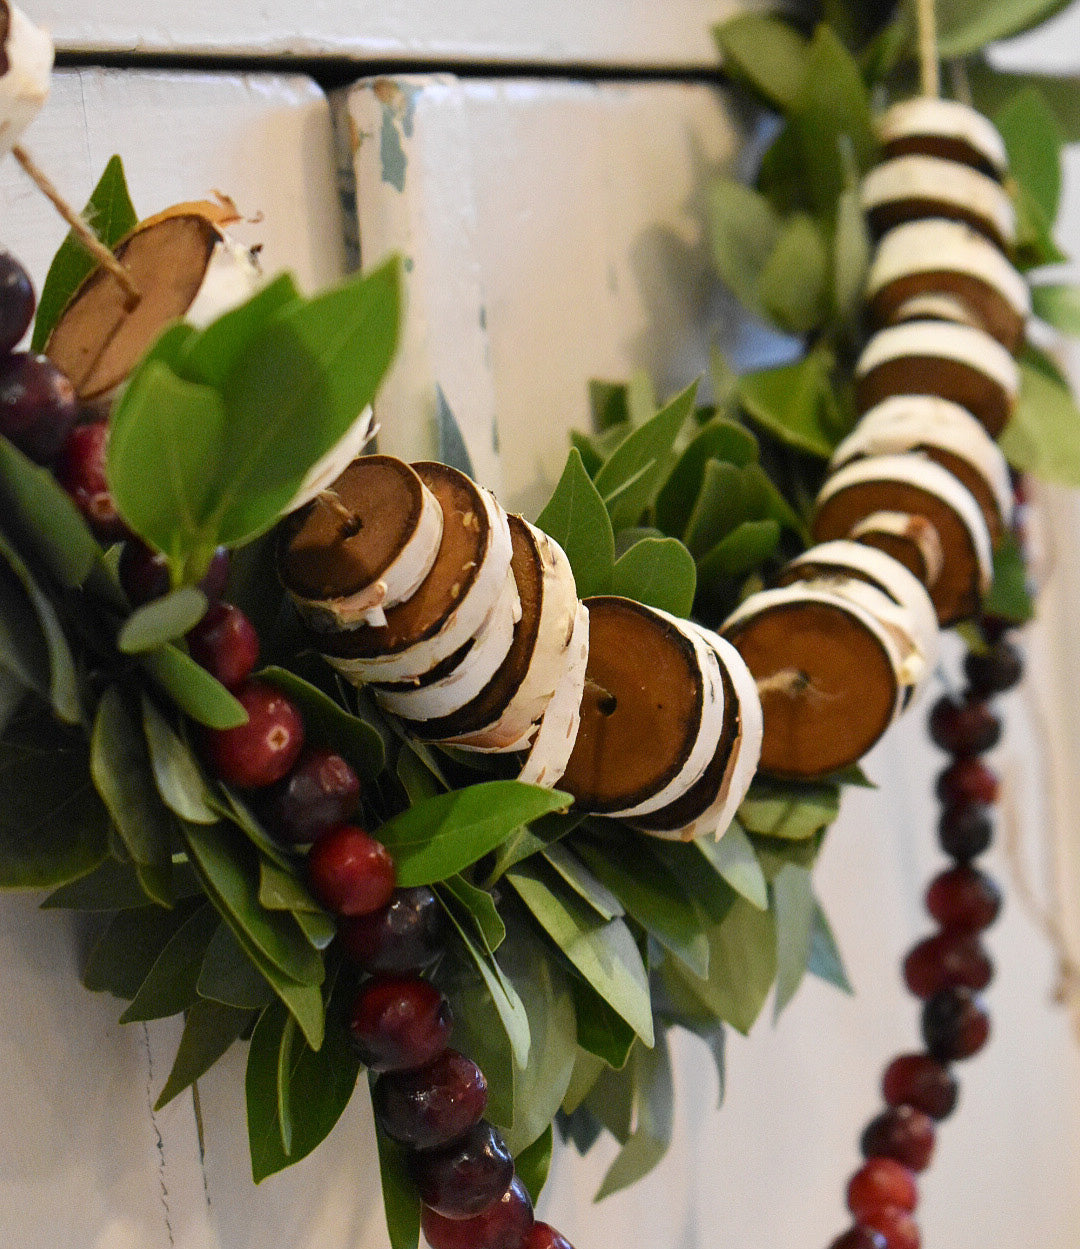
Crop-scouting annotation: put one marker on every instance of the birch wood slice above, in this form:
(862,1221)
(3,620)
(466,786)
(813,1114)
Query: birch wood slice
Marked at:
(910,540)
(946,129)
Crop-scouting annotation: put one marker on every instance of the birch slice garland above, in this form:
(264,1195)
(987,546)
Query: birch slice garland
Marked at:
(945,129)
(910,540)
(26,60)
(554,742)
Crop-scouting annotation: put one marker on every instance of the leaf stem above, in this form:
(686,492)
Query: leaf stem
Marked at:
(929,67)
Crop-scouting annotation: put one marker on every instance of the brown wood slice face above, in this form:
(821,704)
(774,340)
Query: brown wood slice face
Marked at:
(969,477)
(983,305)
(944,147)
(937,375)
(97,341)
(641,710)
(851,693)
(905,548)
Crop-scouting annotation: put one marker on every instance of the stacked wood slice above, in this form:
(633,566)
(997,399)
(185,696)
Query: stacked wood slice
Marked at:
(466,625)
(919,494)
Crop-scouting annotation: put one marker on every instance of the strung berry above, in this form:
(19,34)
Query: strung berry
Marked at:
(16,302)
(963,726)
(896,1225)
(38,405)
(225,643)
(321,791)
(506,1224)
(955,1024)
(406,935)
(967,781)
(966,831)
(464,1178)
(144,573)
(859,1238)
(81,471)
(881,1182)
(996,670)
(349,872)
(261,751)
(994,628)
(433,1105)
(963,899)
(902,1133)
(216,577)
(398,1023)
(947,959)
(544,1236)
(920,1081)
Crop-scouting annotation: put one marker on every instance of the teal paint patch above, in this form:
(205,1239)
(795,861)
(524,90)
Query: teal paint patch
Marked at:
(483,317)
(391,153)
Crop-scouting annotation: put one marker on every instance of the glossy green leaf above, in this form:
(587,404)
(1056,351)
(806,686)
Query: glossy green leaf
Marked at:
(575,516)
(825,961)
(765,53)
(209,1030)
(533,1164)
(774,853)
(162,620)
(1058,306)
(110,214)
(281,890)
(744,229)
(788,809)
(169,986)
(719,439)
(124,954)
(111,887)
(401,1201)
(192,688)
(600,1031)
(790,402)
(284,1091)
(654,1103)
(734,859)
(452,448)
(745,548)
(231,807)
(529,840)
(210,355)
(442,835)
(1010,595)
(969,25)
(793,906)
(479,906)
(611,1098)
(319,928)
(228,976)
(712,896)
(659,572)
(793,285)
(1043,436)
(583,882)
(177,774)
(1034,142)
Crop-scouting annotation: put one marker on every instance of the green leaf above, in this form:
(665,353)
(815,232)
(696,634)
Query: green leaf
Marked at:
(281,890)
(605,953)
(720,439)
(608,403)
(793,284)
(229,805)
(788,809)
(211,354)
(825,961)
(442,835)
(328,723)
(765,53)
(126,951)
(600,1031)
(969,25)
(1058,306)
(111,887)
(793,905)
(452,448)
(533,1164)
(24,656)
(851,255)
(169,986)
(480,908)
(1043,436)
(228,976)
(654,1100)
(479,1030)
(744,229)
(703,885)
(530,839)
(45,517)
(49,834)
(192,688)
(401,1201)
(791,403)
(165,619)
(110,214)
(1010,594)
(177,774)
(734,858)
(583,882)
(575,516)
(745,548)
(993,89)
(1034,142)
(209,1030)
(659,572)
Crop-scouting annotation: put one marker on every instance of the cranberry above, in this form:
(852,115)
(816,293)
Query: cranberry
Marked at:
(963,726)
(881,1182)
(321,791)
(902,1133)
(896,1225)
(996,670)
(994,628)
(966,831)
(947,959)
(398,1023)
(406,935)
(81,471)
(349,872)
(506,1224)
(963,899)
(432,1105)
(544,1236)
(216,577)
(144,572)
(261,751)
(38,405)
(464,1178)
(225,643)
(967,781)
(16,302)
(859,1238)
(920,1081)
(955,1024)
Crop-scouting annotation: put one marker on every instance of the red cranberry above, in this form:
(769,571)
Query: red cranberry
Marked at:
(903,1133)
(955,1024)
(261,751)
(407,935)
(16,302)
(965,832)
(967,781)
(81,471)
(467,1177)
(144,572)
(399,1023)
(996,670)
(881,1182)
(947,959)
(859,1238)
(963,899)
(963,726)
(38,405)
(506,1224)
(349,872)
(897,1226)
(432,1105)
(225,643)
(544,1236)
(321,791)
(920,1081)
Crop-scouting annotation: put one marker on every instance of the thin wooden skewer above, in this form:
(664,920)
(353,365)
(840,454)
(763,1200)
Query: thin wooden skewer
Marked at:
(929,66)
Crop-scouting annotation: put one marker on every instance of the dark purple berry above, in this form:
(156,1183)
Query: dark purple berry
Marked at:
(506,1224)
(947,959)
(225,643)
(81,471)
(262,751)
(963,899)
(996,670)
(144,572)
(321,791)
(955,1024)
(963,726)
(16,302)
(407,935)
(902,1133)
(350,872)
(919,1080)
(399,1023)
(38,405)
(465,1178)
(216,577)
(966,831)
(859,1238)
(967,781)
(433,1105)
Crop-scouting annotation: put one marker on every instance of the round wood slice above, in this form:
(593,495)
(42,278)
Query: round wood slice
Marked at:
(182,265)
(555,738)
(453,600)
(847,691)
(955,362)
(909,188)
(945,433)
(915,485)
(652,712)
(924,268)
(326,470)
(947,129)
(342,572)
(26,59)
(910,540)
